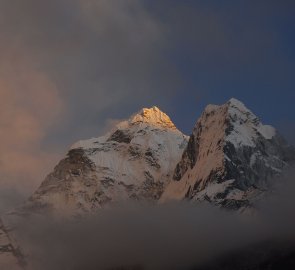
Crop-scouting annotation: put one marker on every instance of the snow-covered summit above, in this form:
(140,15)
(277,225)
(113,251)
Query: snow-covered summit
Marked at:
(230,155)
(238,104)
(135,160)
(133,129)
(150,116)
(245,126)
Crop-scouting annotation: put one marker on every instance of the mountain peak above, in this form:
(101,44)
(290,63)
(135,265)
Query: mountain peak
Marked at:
(153,116)
(135,160)
(245,125)
(236,106)
(230,156)
(233,105)
(235,102)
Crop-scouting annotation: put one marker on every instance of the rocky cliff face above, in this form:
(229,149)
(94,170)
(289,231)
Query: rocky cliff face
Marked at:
(230,158)
(135,161)
(10,255)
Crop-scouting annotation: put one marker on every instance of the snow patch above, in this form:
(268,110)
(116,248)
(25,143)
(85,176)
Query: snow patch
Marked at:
(213,189)
(233,102)
(268,132)
(246,126)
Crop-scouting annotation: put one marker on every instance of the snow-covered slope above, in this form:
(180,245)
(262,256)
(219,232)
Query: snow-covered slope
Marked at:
(135,160)
(230,158)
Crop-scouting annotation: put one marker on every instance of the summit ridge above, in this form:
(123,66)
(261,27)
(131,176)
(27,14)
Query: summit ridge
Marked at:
(153,116)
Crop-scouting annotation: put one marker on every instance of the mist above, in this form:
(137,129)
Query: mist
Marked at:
(167,236)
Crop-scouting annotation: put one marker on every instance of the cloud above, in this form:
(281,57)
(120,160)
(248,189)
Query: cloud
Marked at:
(98,52)
(29,105)
(63,65)
(179,235)
(10,198)
(155,237)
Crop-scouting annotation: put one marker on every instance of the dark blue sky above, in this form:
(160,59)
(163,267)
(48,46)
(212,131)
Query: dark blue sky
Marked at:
(242,49)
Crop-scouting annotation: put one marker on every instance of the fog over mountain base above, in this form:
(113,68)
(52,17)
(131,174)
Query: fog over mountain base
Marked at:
(146,196)
(166,236)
